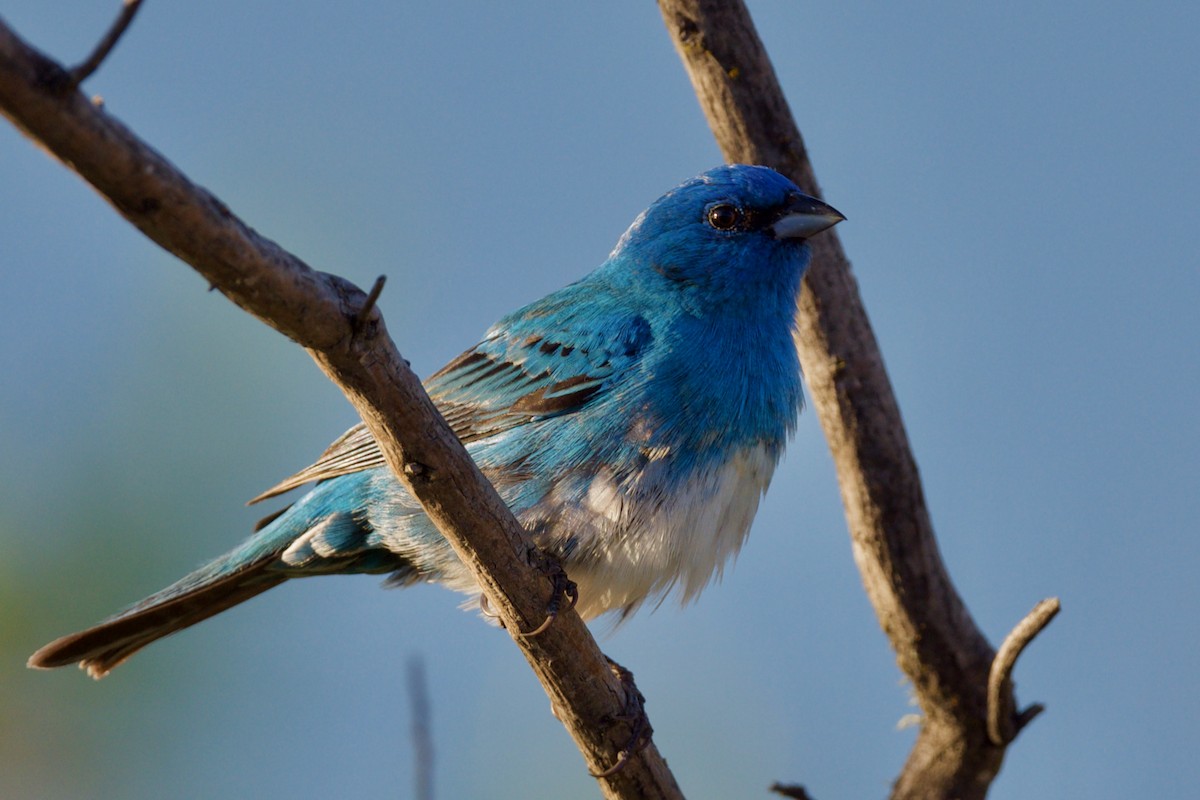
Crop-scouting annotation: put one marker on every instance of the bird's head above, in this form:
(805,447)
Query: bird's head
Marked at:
(731,232)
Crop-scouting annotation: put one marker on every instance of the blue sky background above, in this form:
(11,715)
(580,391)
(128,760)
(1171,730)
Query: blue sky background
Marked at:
(1021,187)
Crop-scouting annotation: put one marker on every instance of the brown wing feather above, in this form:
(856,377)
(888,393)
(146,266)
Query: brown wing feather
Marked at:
(354,451)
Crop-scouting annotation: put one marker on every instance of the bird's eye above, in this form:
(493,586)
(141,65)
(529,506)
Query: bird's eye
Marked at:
(724,217)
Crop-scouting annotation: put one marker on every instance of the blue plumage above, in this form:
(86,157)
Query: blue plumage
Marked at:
(631,421)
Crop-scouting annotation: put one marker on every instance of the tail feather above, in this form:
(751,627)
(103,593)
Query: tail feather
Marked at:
(101,648)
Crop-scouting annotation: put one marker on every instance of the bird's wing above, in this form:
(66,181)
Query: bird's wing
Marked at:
(517,375)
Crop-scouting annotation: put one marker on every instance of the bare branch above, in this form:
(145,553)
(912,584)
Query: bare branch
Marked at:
(83,71)
(937,644)
(318,311)
(1003,724)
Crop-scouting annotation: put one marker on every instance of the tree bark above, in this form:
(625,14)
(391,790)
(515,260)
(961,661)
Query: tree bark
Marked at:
(937,644)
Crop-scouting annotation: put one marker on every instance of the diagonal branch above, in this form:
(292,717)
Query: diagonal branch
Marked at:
(346,336)
(937,644)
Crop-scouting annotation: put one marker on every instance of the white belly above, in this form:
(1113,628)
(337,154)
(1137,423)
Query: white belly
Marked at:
(647,548)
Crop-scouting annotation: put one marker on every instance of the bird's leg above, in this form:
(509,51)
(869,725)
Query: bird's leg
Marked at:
(640,730)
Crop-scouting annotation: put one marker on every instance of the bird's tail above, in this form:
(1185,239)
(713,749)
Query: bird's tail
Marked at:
(315,536)
(207,591)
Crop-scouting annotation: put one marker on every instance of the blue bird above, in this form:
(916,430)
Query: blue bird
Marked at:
(631,421)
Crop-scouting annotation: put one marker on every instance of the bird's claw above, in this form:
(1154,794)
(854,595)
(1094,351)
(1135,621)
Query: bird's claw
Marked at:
(485,608)
(640,730)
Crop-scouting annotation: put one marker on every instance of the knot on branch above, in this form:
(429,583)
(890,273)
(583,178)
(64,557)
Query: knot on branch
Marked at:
(688,31)
(416,471)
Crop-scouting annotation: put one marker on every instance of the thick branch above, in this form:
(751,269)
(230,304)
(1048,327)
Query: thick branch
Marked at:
(937,644)
(322,313)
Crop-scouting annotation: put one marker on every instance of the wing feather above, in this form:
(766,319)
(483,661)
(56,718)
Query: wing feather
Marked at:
(512,378)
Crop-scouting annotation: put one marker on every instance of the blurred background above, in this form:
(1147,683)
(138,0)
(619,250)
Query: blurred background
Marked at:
(1021,186)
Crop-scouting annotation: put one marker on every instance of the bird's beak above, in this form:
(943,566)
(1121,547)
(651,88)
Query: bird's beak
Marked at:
(804,217)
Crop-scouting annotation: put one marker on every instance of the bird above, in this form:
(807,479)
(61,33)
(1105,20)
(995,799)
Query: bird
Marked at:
(631,421)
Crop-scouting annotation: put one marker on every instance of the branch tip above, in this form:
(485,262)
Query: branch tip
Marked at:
(1003,723)
(1027,716)
(78,74)
(793,790)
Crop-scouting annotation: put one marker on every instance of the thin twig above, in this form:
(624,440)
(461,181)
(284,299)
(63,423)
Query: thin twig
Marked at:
(78,74)
(1001,724)
(422,730)
(364,312)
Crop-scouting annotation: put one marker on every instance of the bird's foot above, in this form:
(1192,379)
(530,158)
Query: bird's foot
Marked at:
(563,587)
(640,730)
